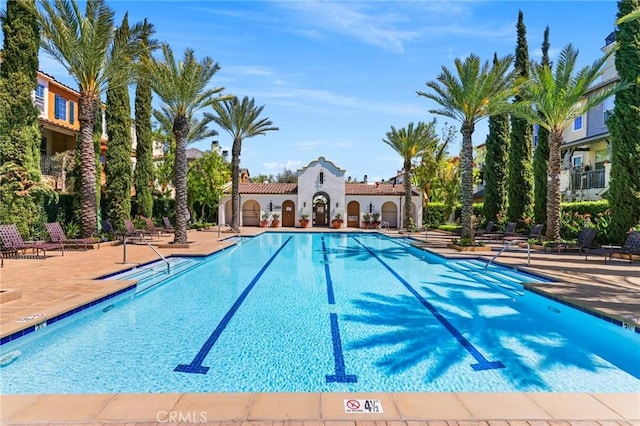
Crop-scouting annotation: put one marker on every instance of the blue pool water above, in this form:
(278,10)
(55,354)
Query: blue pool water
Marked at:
(328,312)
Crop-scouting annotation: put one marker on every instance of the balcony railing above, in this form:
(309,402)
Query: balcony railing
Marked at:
(587,180)
(48,166)
(39,102)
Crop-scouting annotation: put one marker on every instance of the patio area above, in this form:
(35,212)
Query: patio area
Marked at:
(40,289)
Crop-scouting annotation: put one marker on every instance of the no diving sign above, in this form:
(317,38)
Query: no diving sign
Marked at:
(363,406)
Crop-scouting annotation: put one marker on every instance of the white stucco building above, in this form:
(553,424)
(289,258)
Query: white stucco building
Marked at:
(321,192)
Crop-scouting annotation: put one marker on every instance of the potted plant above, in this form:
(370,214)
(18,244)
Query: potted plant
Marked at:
(336,222)
(375,220)
(366,219)
(265,220)
(304,220)
(275,220)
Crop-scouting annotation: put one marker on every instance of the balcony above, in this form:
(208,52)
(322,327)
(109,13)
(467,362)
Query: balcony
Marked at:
(49,166)
(39,102)
(592,179)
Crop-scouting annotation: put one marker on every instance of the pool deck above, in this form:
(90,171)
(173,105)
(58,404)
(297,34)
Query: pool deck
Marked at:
(33,290)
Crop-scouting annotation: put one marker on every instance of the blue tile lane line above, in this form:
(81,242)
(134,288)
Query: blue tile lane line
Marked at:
(196,365)
(327,274)
(340,376)
(483,363)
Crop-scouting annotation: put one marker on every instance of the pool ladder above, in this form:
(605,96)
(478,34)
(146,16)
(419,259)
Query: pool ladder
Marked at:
(141,237)
(506,246)
(383,225)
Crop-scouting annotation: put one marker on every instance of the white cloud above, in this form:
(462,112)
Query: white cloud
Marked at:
(276,166)
(373,26)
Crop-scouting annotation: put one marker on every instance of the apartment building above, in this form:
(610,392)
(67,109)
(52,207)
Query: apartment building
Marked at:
(59,126)
(586,148)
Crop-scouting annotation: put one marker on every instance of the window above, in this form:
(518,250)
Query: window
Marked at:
(576,161)
(40,91)
(60,108)
(72,112)
(577,124)
(607,106)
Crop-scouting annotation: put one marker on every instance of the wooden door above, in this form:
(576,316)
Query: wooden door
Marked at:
(288,213)
(353,214)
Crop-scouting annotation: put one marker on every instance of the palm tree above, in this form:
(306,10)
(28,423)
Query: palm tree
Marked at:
(242,120)
(476,92)
(87,46)
(553,100)
(411,142)
(182,86)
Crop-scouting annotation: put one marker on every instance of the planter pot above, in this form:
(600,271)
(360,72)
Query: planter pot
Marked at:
(336,225)
(275,223)
(264,224)
(469,248)
(304,223)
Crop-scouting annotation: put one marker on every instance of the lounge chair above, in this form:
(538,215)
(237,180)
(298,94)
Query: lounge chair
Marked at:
(585,241)
(131,231)
(56,234)
(487,229)
(535,233)
(151,227)
(631,247)
(509,231)
(167,224)
(12,242)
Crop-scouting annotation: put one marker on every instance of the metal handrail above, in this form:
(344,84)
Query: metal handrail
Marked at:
(382,224)
(237,232)
(506,246)
(141,236)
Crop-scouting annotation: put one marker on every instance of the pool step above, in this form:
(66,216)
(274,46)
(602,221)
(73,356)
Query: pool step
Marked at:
(498,279)
(154,273)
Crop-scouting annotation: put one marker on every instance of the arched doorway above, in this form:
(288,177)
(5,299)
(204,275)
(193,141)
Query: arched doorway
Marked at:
(390,214)
(288,213)
(251,213)
(321,209)
(353,214)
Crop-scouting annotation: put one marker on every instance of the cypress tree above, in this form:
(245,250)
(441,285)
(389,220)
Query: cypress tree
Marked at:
(19,131)
(118,157)
(624,128)
(541,155)
(143,177)
(495,171)
(520,178)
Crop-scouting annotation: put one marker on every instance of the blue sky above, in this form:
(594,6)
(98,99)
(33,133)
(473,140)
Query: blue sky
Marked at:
(335,76)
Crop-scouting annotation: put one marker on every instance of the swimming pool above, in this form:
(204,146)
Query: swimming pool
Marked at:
(329,312)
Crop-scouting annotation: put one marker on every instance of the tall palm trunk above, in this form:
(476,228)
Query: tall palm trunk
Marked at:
(466,171)
(87,108)
(407,193)
(181,130)
(235,183)
(553,188)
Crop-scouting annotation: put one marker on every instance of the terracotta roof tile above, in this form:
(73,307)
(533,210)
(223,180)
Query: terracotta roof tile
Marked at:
(268,188)
(376,189)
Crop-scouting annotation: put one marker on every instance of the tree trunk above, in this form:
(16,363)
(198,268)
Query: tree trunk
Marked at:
(181,130)
(235,184)
(407,193)
(553,188)
(87,108)
(466,171)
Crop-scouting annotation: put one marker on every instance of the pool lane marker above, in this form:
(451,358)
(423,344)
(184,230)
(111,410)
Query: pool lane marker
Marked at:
(327,274)
(483,363)
(341,376)
(196,365)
